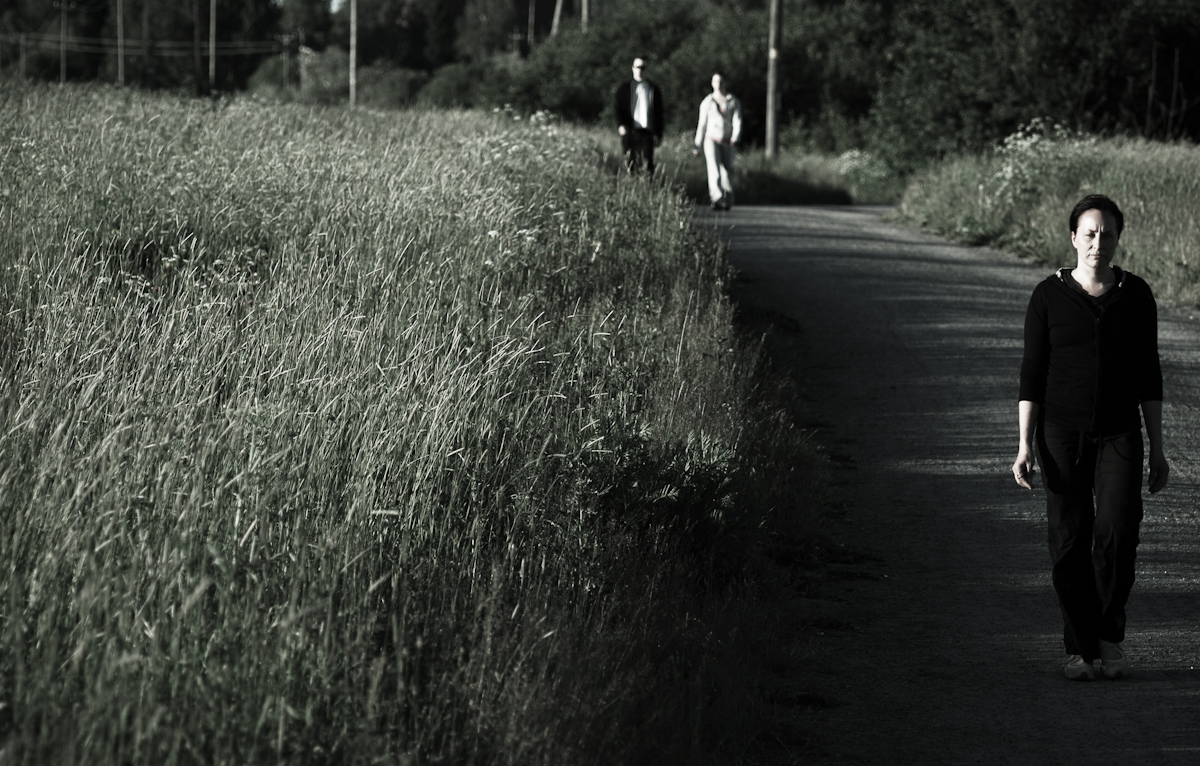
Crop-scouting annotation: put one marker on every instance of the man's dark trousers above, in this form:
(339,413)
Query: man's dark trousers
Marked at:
(638,145)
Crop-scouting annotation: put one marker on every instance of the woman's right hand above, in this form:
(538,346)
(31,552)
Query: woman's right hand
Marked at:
(1023,468)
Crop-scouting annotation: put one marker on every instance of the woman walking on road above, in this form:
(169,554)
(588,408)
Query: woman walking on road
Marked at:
(717,134)
(1091,358)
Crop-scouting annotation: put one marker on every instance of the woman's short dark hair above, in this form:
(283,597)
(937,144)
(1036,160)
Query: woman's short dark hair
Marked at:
(1101,203)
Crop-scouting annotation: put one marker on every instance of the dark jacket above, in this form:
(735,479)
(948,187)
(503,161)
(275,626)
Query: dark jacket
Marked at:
(623,106)
(1090,362)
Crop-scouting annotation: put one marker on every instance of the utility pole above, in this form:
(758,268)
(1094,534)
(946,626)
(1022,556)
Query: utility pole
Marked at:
(557,17)
(212,45)
(62,41)
(353,53)
(583,15)
(22,44)
(121,43)
(286,42)
(145,42)
(532,19)
(773,79)
(197,66)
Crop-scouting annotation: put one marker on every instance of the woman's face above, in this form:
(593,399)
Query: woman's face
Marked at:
(718,85)
(1095,239)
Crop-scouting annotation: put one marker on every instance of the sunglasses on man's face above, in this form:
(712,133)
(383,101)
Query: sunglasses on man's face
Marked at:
(639,66)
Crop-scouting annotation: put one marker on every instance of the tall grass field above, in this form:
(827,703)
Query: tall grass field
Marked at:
(1019,197)
(350,437)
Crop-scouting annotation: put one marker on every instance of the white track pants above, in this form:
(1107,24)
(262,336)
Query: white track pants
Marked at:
(719,158)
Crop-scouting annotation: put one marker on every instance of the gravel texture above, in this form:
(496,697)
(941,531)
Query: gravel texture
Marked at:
(934,636)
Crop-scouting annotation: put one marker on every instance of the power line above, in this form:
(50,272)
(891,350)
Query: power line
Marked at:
(76,44)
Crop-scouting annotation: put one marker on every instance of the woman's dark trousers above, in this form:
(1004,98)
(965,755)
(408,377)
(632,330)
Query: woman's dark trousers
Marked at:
(1094,499)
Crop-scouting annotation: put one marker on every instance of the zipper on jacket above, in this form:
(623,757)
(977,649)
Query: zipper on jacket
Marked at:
(1099,357)
(1082,302)
(1096,395)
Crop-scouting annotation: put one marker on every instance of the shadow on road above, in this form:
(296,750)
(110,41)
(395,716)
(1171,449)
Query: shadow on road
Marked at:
(947,649)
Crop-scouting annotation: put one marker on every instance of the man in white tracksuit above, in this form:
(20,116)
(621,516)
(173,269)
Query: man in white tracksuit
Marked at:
(717,135)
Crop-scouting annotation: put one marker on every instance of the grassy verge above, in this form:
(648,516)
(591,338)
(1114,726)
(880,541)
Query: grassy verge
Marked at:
(339,437)
(1018,198)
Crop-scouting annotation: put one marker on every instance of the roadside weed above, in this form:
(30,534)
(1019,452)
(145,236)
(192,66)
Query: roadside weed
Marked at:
(1018,198)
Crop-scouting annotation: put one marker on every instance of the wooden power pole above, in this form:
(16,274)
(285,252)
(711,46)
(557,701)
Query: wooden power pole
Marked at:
(197,66)
(121,42)
(353,52)
(529,36)
(557,17)
(145,42)
(63,41)
(212,45)
(773,79)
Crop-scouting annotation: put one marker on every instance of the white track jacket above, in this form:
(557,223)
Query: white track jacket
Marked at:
(721,126)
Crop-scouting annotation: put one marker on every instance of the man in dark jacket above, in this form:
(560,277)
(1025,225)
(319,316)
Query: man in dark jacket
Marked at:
(638,104)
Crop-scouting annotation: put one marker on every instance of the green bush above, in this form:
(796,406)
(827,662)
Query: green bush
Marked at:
(464,85)
(324,78)
(383,85)
(1019,195)
(271,78)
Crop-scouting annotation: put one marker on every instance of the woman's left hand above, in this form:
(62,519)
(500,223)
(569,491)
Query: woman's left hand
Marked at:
(1159,471)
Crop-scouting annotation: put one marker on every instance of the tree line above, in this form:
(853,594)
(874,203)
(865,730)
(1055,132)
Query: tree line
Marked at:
(906,79)
(165,42)
(421,35)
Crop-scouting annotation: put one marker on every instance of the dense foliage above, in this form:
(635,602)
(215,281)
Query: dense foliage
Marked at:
(963,75)
(908,80)
(825,92)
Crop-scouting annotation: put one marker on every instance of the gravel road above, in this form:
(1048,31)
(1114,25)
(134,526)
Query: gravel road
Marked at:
(935,638)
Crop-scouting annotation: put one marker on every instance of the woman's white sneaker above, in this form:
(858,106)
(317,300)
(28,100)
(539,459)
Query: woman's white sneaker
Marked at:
(1113,662)
(1078,670)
